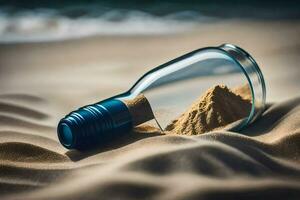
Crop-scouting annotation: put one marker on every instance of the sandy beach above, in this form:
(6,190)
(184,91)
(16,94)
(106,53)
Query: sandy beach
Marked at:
(43,81)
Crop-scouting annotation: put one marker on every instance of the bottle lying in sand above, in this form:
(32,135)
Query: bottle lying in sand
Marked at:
(226,78)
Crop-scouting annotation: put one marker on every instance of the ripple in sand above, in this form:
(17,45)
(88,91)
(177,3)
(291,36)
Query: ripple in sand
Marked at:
(45,141)
(22,111)
(216,155)
(14,122)
(14,187)
(23,152)
(22,98)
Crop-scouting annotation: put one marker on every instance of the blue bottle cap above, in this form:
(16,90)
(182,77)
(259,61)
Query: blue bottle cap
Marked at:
(94,125)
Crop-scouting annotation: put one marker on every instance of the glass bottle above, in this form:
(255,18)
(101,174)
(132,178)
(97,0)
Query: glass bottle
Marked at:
(169,89)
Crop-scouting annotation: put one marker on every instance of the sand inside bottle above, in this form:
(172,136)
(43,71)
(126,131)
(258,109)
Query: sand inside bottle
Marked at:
(218,107)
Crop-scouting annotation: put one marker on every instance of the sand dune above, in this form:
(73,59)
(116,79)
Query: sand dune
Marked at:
(219,164)
(50,79)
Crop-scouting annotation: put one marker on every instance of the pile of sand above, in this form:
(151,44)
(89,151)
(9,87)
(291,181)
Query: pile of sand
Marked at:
(218,107)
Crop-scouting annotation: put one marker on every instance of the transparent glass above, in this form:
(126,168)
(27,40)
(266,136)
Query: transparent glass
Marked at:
(172,87)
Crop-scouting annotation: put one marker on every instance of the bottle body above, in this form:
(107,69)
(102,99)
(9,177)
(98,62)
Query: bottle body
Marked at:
(173,86)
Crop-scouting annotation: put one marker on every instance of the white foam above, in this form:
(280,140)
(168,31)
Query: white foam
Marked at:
(48,26)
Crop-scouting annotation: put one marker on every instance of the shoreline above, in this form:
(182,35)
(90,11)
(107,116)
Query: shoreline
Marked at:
(189,31)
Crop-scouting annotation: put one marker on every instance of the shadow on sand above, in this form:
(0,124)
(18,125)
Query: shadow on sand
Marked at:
(138,133)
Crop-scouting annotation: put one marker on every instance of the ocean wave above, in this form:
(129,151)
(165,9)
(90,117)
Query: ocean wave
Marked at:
(49,25)
(31,21)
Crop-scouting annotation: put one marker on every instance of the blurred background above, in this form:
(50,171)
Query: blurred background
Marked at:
(32,21)
(77,52)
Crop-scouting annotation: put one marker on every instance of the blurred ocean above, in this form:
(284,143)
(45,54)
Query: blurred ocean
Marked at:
(33,20)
